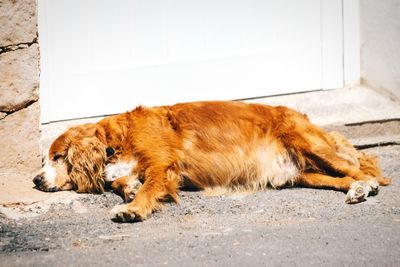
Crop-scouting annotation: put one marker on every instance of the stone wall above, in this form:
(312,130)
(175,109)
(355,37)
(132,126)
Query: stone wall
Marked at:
(19,88)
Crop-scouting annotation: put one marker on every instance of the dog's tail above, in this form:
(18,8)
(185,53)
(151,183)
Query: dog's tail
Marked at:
(368,164)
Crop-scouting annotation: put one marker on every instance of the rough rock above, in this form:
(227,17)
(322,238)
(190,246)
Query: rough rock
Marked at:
(18,21)
(19,140)
(19,78)
(2,115)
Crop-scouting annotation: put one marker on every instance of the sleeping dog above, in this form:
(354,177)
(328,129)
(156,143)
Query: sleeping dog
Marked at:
(149,153)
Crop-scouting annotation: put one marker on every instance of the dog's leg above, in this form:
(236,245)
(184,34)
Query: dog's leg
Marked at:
(369,183)
(366,163)
(158,185)
(327,159)
(357,191)
(127,187)
(317,180)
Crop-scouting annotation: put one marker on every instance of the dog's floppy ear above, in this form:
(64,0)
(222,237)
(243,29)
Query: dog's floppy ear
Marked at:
(87,157)
(100,133)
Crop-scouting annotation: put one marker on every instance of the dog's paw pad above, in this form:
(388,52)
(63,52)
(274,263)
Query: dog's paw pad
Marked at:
(121,213)
(374,185)
(358,192)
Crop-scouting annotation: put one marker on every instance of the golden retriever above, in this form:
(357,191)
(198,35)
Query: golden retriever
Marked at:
(148,154)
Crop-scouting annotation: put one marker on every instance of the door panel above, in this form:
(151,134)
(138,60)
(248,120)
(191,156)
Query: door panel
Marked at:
(104,57)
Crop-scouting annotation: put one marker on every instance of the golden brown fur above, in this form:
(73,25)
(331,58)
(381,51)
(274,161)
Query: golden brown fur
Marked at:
(230,145)
(86,158)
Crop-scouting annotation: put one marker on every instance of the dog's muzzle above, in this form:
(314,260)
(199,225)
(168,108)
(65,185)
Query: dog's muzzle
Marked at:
(40,183)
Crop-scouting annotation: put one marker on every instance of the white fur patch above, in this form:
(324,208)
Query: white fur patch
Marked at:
(276,169)
(119,169)
(49,175)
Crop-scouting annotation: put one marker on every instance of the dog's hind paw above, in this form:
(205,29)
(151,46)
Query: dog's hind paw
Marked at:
(360,190)
(121,213)
(374,187)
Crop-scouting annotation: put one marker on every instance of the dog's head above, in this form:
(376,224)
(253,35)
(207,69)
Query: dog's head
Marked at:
(76,161)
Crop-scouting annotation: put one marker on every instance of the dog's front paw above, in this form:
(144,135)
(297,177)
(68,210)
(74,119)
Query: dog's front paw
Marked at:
(130,190)
(122,213)
(360,190)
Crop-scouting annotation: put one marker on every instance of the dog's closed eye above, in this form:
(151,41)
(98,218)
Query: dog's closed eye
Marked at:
(57,157)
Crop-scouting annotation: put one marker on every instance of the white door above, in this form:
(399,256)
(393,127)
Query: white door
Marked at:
(104,57)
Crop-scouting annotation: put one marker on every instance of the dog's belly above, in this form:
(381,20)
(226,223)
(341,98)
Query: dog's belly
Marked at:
(248,167)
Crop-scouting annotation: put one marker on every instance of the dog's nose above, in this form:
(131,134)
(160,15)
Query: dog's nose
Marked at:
(38,180)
